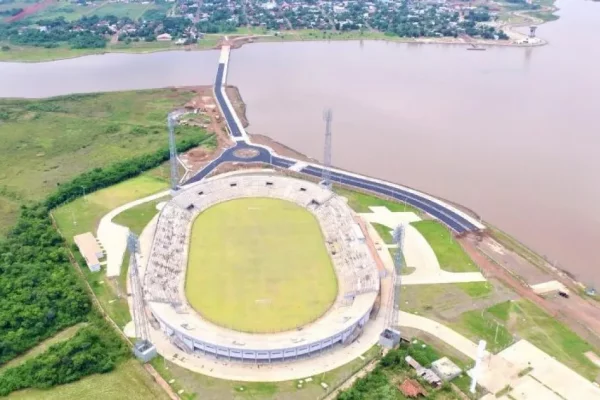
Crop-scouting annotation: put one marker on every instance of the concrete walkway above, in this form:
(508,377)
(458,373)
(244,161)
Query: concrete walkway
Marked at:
(114,236)
(418,253)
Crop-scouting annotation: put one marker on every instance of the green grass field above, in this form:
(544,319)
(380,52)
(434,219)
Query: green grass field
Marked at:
(259,265)
(448,252)
(46,142)
(129,381)
(138,217)
(360,202)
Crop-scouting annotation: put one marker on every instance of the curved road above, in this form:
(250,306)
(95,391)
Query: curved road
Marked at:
(455,219)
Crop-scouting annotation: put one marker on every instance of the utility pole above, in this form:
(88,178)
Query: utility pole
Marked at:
(172,122)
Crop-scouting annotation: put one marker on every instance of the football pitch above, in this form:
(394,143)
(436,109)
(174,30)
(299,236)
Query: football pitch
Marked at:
(259,265)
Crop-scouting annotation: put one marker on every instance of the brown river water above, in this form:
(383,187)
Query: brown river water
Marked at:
(511,133)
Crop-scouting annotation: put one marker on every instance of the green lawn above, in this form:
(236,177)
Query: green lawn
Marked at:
(138,217)
(553,337)
(84,214)
(46,142)
(384,232)
(259,265)
(527,321)
(129,381)
(450,255)
(478,325)
(197,386)
(360,202)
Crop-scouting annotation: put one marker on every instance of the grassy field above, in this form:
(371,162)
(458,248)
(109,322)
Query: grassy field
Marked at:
(84,214)
(259,265)
(46,142)
(524,320)
(72,11)
(360,202)
(138,217)
(450,255)
(128,382)
(197,386)
(384,233)
(40,54)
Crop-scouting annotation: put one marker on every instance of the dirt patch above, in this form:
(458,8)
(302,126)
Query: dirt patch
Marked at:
(237,102)
(30,10)
(581,315)
(234,166)
(512,261)
(279,148)
(204,113)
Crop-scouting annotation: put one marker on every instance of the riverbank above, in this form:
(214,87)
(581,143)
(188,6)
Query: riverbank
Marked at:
(30,54)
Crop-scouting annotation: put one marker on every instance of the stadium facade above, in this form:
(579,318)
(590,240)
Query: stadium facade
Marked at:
(354,265)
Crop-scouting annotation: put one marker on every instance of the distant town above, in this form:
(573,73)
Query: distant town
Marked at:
(75,24)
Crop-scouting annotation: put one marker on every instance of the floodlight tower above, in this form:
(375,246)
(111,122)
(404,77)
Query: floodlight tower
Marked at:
(143,349)
(398,264)
(326,175)
(172,122)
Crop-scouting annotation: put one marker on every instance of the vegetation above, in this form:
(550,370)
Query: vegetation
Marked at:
(92,350)
(40,294)
(449,253)
(138,217)
(360,202)
(236,244)
(384,233)
(48,142)
(392,370)
(61,336)
(197,386)
(128,381)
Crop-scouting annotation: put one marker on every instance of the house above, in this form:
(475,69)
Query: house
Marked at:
(412,388)
(164,37)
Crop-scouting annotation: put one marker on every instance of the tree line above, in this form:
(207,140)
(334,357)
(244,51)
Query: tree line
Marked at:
(42,295)
(94,349)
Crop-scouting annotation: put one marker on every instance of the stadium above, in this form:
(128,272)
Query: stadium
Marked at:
(259,268)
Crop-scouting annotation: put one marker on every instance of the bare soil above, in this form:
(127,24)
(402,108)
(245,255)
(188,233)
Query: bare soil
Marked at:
(279,148)
(581,315)
(210,118)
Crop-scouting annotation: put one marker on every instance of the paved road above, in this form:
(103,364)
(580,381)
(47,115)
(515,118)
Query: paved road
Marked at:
(453,218)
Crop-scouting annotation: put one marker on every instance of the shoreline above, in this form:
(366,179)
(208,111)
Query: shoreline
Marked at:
(238,41)
(493,232)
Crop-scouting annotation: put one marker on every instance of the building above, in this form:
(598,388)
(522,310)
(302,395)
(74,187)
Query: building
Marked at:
(164,37)
(445,369)
(90,250)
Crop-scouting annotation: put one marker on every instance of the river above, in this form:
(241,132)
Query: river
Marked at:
(509,132)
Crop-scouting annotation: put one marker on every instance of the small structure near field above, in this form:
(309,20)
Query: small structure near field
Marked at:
(144,350)
(90,250)
(389,338)
(445,369)
(412,388)
(164,37)
(425,373)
